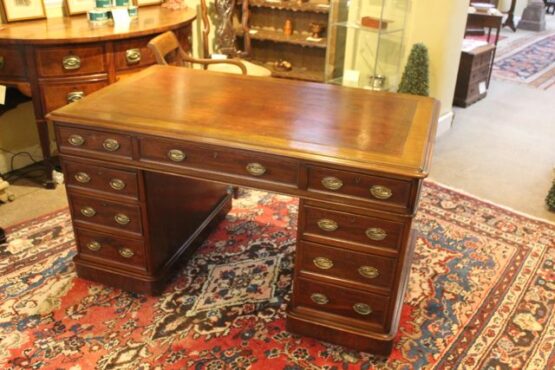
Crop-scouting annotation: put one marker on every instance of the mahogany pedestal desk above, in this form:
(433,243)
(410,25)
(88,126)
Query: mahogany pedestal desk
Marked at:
(58,61)
(146,161)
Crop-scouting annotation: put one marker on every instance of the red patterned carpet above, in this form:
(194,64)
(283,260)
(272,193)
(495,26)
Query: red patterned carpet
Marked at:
(481,296)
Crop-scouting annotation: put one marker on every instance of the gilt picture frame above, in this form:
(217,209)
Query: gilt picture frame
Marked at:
(75,7)
(22,10)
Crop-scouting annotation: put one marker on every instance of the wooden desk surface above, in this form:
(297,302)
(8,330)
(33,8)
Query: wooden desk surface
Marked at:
(386,132)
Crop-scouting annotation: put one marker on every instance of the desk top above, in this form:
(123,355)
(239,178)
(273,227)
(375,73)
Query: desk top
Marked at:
(393,133)
(61,30)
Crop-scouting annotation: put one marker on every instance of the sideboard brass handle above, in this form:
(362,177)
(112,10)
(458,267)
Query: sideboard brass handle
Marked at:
(122,219)
(82,177)
(126,252)
(88,211)
(133,56)
(176,155)
(323,263)
(319,298)
(71,62)
(94,246)
(75,96)
(369,272)
(362,309)
(381,192)
(117,184)
(327,225)
(375,233)
(110,145)
(2,62)
(256,169)
(332,183)
(76,140)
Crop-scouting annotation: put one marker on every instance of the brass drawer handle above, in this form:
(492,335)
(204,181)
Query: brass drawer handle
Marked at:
(94,246)
(332,183)
(126,252)
(319,298)
(256,169)
(75,96)
(117,184)
(375,233)
(369,272)
(88,211)
(362,309)
(110,145)
(82,177)
(122,219)
(381,192)
(133,56)
(76,140)
(327,224)
(71,62)
(323,263)
(176,155)
(2,62)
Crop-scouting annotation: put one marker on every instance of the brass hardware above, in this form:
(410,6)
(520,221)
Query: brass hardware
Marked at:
(381,192)
(2,62)
(94,246)
(319,298)
(256,169)
(126,252)
(362,309)
(76,140)
(122,219)
(71,62)
(110,145)
(323,263)
(82,177)
(176,155)
(375,233)
(88,211)
(133,56)
(332,183)
(117,184)
(369,272)
(327,224)
(75,96)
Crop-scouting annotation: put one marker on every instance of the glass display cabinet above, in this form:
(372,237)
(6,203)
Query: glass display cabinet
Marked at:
(365,43)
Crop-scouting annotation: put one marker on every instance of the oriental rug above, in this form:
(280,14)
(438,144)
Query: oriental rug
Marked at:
(481,296)
(528,60)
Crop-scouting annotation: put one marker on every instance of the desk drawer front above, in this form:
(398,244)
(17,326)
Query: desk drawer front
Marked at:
(108,180)
(234,162)
(134,53)
(70,61)
(73,139)
(58,95)
(12,63)
(106,213)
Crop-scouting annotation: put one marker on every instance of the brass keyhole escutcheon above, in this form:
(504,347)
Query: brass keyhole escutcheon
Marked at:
(332,183)
(76,140)
(126,252)
(122,219)
(362,309)
(319,298)
(375,233)
(323,263)
(381,192)
(327,224)
(176,155)
(110,145)
(82,177)
(256,169)
(88,211)
(94,246)
(369,272)
(117,184)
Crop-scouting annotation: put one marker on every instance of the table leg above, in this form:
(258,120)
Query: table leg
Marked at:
(510,21)
(2,236)
(44,138)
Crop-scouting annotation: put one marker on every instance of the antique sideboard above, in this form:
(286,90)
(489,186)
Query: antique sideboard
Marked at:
(60,60)
(147,163)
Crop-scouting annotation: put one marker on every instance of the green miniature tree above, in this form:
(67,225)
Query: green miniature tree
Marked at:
(550,199)
(416,78)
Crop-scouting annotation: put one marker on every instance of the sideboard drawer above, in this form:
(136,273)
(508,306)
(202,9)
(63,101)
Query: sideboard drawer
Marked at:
(133,53)
(70,61)
(58,95)
(74,141)
(12,63)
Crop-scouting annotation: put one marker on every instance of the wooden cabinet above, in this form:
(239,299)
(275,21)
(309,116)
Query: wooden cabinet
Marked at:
(473,76)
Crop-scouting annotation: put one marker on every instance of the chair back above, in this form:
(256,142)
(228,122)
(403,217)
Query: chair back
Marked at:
(167,50)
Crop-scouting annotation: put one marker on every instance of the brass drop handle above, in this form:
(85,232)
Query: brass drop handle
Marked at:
(323,263)
(117,184)
(362,309)
(110,145)
(2,62)
(71,62)
(369,272)
(381,192)
(176,155)
(82,177)
(94,246)
(375,233)
(319,298)
(122,219)
(126,252)
(133,56)
(256,169)
(327,224)
(75,96)
(76,140)
(88,211)
(332,183)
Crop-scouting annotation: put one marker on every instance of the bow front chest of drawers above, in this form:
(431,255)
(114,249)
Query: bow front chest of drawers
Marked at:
(145,174)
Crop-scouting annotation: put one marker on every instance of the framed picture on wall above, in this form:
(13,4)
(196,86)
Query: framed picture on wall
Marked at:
(147,2)
(22,10)
(79,6)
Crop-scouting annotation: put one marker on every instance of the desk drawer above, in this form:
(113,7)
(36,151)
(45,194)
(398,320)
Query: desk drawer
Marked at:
(58,95)
(133,53)
(70,61)
(234,162)
(104,179)
(325,225)
(88,210)
(75,140)
(12,63)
